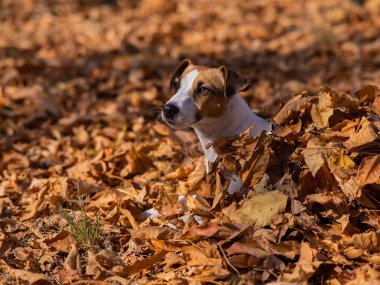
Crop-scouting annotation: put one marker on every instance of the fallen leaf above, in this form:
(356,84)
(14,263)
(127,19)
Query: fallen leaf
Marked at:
(363,136)
(367,93)
(30,277)
(321,115)
(369,170)
(254,167)
(260,209)
(316,154)
(297,104)
(143,264)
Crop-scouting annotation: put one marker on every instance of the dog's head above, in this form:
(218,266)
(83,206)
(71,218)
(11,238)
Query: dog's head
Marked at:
(200,93)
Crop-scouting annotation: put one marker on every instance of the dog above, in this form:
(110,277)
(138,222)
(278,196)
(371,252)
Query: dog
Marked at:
(207,100)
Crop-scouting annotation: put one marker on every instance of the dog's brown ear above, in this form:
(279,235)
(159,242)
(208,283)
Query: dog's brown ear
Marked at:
(234,82)
(179,70)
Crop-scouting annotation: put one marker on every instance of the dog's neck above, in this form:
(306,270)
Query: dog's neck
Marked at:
(237,118)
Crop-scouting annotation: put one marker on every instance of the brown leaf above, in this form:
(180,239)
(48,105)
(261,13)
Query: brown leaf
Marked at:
(130,218)
(31,278)
(224,232)
(244,260)
(376,106)
(330,205)
(153,233)
(252,248)
(261,248)
(369,170)
(73,260)
(373,258)
(255,167)
(143,264)
(14,160)
(321,115)
(367,93)
(330,98)
(61,241)
(367,241)
(364,136)
(219,191)
(297,104)
(161,129)
(22,253)
(160,245)
(316,154)
(194,178)
(352,253)
(173,259)
(202,256)
(107,259)
(288,131)
(306,266)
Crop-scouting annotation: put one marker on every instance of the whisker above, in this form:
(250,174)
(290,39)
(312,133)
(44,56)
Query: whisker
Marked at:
(159,118)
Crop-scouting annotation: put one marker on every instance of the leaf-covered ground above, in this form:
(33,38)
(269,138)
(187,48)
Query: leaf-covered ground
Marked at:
(83,155)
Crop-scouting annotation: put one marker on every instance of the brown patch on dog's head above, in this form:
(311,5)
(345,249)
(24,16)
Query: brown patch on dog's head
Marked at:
(179,71)
(212,88)
(234,81)
(208,93)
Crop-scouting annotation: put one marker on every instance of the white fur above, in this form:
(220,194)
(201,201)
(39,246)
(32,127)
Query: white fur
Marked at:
(234,121)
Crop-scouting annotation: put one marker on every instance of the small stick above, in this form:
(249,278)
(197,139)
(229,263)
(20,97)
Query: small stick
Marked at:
(228,262)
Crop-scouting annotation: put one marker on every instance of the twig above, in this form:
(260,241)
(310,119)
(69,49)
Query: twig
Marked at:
(228,262)
(264,270)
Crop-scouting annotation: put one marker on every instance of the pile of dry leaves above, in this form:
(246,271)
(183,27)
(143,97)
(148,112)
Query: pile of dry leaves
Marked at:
(83,156)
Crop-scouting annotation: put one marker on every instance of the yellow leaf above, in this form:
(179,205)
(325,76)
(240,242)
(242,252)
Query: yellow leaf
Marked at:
(260,209)
(341,161)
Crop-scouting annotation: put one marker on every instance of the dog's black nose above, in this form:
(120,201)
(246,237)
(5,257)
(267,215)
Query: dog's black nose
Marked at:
(170,110)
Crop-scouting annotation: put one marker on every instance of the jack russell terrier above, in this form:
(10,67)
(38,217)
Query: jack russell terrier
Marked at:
(207,100)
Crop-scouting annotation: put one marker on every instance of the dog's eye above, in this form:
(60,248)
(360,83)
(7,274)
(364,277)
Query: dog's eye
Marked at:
(176,83)
(203,90)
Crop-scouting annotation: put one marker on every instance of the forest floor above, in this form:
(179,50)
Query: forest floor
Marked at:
(83,154)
